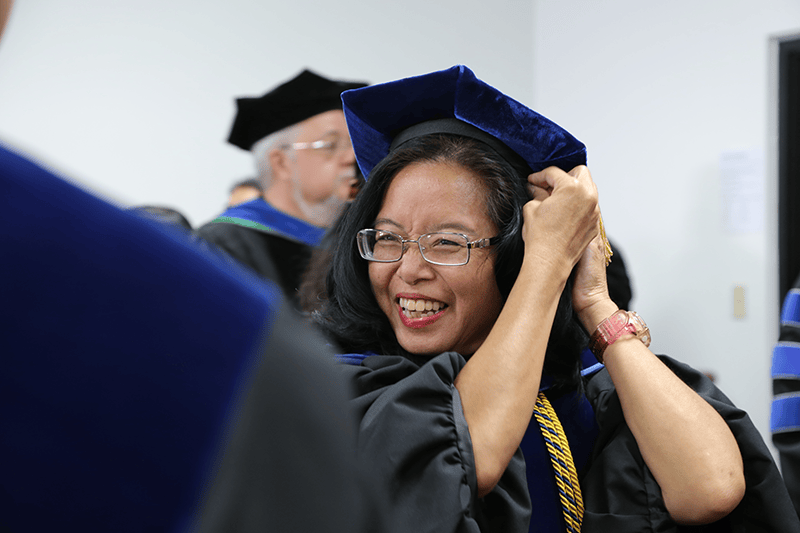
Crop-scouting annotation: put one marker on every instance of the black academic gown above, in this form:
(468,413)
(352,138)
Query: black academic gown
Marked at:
(270,255)
(621,494)
(413,434)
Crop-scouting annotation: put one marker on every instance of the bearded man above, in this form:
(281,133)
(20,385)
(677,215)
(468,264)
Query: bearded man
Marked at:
(298,137)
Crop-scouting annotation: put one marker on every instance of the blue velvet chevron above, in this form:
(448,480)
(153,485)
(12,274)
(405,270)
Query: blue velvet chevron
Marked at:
(259,215)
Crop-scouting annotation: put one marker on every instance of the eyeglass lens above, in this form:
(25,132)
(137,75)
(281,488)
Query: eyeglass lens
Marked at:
(330,145)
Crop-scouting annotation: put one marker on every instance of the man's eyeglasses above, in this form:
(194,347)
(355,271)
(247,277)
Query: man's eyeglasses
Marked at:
(443,248)
(327,147)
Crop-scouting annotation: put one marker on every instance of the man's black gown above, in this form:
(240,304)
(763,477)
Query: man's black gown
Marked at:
(273,244)
(269,255)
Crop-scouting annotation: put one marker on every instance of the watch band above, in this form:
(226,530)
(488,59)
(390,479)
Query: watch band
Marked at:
(612,328)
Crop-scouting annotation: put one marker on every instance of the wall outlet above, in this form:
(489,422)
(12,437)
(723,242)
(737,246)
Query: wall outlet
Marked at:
(738,302)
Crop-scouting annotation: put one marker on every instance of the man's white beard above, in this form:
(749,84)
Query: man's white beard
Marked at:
(323,213)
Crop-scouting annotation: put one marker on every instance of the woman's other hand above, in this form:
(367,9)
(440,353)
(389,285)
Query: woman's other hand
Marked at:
(590,298)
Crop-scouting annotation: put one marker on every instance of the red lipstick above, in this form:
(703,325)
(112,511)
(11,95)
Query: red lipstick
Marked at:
(417,323)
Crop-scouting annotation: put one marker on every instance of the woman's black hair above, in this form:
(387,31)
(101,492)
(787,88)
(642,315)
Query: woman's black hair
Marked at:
(351,316)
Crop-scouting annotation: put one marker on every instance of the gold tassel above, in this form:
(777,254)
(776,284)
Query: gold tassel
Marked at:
(606,245)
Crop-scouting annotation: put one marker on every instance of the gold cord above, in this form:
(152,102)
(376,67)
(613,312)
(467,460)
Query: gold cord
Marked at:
(569,489)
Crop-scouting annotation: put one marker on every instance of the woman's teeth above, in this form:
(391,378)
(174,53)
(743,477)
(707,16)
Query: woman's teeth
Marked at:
(420,308)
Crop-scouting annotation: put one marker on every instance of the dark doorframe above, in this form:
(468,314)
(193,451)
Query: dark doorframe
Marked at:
(788,164)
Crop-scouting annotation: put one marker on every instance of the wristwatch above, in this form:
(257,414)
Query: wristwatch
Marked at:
(612,328)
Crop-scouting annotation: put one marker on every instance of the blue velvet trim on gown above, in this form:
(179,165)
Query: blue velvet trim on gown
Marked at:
(259,215)
(577,418)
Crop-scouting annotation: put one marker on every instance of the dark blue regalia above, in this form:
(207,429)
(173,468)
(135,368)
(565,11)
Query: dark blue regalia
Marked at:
(148,386)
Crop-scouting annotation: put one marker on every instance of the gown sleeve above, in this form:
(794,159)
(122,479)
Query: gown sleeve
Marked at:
(414,438)
(621,495)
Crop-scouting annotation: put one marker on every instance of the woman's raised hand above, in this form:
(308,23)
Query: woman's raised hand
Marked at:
(562,218)
(590,298)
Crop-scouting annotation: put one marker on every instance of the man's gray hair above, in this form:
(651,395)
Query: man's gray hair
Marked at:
(262,148)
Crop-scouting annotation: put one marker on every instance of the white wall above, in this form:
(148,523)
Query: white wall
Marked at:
(135,99)
(658,91)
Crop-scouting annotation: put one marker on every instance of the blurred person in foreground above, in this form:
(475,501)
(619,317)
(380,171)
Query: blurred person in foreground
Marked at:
(149,386)
(298,138)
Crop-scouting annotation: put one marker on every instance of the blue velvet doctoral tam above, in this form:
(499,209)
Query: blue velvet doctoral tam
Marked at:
(377,114)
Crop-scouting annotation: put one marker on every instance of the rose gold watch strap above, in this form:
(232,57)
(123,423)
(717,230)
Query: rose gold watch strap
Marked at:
(608,331)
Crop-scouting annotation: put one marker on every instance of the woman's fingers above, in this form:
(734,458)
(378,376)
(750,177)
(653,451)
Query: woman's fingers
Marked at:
(590,284)
(538,193)
(580,172)
(564,214)
(568,194)
(551,177)
(546,178)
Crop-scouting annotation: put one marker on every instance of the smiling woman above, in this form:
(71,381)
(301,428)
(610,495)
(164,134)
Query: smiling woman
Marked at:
(441,197)
(461,355)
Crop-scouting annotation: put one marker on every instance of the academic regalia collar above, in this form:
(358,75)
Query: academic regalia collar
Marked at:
(260,216)
(589,364)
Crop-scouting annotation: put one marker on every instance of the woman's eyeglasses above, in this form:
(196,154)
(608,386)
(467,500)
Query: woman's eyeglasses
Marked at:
(442,248)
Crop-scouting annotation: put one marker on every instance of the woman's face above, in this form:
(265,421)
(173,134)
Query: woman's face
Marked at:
(464,300)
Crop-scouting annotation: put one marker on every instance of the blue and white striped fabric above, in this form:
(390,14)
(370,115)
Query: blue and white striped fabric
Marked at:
(786,361)
(785,416)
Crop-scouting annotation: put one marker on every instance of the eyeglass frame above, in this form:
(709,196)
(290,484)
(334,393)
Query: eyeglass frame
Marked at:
(477,244)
